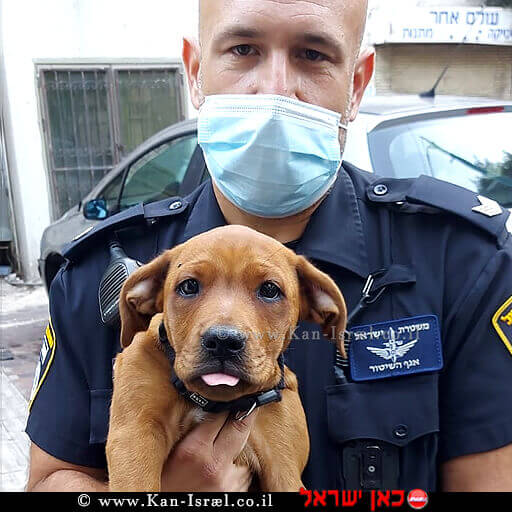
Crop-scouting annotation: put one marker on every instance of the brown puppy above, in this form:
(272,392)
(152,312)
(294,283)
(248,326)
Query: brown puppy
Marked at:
(229,300)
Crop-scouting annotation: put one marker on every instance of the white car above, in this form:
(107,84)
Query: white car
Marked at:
(467,141)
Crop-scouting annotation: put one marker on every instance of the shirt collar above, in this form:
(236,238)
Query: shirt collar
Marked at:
(334,233)
(205,214)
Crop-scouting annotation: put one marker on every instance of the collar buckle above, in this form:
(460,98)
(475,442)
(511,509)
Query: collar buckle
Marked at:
(240,416)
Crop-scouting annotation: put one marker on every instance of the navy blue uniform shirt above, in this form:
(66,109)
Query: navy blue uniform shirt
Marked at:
(430,374)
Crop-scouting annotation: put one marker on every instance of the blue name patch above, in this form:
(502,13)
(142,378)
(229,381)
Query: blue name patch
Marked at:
(399,347)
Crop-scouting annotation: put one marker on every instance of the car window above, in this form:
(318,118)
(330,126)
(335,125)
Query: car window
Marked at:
(111,193)
(159,173)
(473,151)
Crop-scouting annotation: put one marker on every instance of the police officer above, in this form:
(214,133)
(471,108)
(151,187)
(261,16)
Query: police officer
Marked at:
(425,268)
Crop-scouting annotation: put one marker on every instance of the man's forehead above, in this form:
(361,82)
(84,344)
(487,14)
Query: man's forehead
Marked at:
(346,13)
(328,4)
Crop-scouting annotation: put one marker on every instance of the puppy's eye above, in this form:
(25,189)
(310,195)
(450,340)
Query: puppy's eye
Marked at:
(188,287)
(269,291)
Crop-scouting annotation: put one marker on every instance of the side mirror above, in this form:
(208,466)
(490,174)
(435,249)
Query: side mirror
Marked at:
(96,209)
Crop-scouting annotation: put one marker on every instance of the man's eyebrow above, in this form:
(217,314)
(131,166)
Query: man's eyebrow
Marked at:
(323,39)
(236,31)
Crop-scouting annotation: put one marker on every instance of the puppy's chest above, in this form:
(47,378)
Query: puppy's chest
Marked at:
(194,416)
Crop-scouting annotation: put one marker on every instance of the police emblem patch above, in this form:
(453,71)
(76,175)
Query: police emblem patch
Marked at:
(502,322)
(399,347)
(46,356)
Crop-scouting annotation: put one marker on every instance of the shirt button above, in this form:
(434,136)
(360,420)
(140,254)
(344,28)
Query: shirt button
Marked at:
(401,431)
(380,190)
(175,205)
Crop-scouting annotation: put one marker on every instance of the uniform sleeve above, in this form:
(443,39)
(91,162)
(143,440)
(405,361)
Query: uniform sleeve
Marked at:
(476,384)
(59,420)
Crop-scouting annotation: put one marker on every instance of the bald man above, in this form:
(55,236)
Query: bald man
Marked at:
(428,422)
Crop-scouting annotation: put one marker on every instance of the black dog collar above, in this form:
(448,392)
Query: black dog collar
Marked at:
(245,404)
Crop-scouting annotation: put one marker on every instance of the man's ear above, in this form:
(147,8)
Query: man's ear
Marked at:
(191,55)
(322,302)
(363,73)
(142,297)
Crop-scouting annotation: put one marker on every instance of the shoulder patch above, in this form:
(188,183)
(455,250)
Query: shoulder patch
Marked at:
(430,195)
(167,207)
(502,322)
(46,356)
(488,207)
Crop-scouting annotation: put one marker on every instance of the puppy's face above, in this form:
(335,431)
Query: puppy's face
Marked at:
(230,299)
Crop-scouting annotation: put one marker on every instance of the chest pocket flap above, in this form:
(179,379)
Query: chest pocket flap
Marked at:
(393,410)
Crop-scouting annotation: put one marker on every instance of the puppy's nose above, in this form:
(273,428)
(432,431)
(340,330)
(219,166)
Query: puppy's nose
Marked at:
(223,341)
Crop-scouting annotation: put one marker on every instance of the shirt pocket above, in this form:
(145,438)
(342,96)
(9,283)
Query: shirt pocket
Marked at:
(396,411)
(100,400)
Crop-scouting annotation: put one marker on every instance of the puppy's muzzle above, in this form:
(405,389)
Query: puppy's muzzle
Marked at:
(223,341)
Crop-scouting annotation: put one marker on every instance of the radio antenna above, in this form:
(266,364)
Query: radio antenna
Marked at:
(432,92)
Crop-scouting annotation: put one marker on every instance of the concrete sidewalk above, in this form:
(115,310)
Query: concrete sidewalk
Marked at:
(23,318)
(14,442)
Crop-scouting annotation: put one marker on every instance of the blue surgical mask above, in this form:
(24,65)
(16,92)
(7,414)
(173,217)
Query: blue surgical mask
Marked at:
(271,156)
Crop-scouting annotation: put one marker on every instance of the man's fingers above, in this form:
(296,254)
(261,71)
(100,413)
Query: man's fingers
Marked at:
(205,433)
(232,438)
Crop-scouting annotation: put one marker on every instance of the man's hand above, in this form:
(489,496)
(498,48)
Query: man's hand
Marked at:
(203,460)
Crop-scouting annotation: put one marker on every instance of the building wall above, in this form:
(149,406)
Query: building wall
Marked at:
(394,4)
(474,71)
(6,210)
(69,31)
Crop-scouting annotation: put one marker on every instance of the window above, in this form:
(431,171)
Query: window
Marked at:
(159,173)
(148,103)
(95,115)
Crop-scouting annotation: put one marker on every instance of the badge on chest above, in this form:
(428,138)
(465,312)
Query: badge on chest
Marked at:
(398,347)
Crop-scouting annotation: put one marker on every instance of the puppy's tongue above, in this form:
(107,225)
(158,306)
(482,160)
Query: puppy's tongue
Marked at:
(215,379)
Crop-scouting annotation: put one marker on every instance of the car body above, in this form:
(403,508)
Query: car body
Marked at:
(458,139)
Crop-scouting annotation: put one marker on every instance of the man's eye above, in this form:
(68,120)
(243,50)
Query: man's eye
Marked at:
(242,50)
(269,291)
(188,287)
(313,55)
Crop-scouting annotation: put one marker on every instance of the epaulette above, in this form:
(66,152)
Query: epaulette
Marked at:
(135,215)
(430,195)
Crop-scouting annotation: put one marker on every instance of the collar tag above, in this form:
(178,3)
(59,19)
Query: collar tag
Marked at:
(398,347)
(198,399)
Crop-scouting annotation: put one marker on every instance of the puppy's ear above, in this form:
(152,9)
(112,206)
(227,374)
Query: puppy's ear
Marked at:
(142,297)
(322,302)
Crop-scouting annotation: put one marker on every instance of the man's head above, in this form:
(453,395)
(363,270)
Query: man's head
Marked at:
(301,49)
